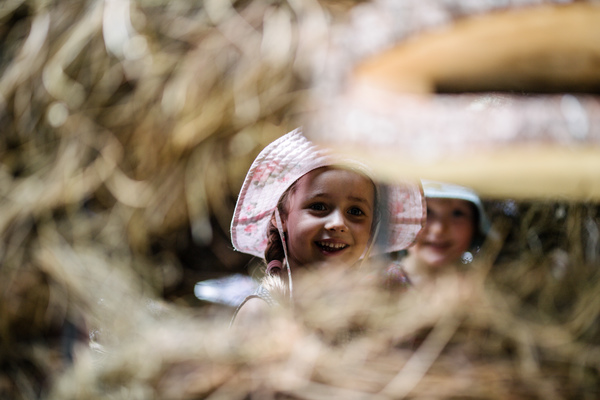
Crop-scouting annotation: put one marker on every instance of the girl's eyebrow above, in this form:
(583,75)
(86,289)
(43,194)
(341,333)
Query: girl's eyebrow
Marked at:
(359,199)
(363,201)
(317,195)
(352,198)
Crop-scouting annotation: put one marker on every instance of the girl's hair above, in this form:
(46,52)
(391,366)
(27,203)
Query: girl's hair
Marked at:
(274,250)
(478,235)
(273,280)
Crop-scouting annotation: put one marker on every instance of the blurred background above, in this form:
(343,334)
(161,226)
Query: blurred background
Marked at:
(128,127)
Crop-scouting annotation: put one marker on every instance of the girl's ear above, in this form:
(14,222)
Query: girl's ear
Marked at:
(283,221)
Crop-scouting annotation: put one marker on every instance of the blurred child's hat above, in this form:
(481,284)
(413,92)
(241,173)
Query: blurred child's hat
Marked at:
(287,159)
(443,190)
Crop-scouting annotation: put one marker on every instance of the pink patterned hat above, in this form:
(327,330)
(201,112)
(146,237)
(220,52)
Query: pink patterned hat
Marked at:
(287,159)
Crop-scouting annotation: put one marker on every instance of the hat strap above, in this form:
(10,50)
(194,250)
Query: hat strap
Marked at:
(287,264)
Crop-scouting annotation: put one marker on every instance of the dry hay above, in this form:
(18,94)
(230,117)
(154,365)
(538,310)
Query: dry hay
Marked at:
(350,339)
(123,147)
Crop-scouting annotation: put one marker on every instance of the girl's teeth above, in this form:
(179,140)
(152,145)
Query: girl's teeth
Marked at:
(335,246)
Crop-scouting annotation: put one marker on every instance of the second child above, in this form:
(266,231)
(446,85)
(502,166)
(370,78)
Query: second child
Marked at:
(456,227)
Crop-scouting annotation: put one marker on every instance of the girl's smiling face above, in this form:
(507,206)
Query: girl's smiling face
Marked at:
(447,234)
(329,216)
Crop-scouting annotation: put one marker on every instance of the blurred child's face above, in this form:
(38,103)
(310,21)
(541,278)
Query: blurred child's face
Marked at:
(329,217)
(447,234)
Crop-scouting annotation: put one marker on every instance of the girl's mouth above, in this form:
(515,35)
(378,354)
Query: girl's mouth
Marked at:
(439,245)
(331,247)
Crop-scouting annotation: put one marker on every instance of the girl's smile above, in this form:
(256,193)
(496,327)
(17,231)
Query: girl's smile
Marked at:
(331,246)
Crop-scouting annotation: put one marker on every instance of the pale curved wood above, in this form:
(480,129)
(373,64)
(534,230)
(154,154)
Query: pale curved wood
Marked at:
(502,144)
(538,49)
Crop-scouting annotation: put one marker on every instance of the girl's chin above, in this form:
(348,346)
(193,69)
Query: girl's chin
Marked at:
(437,262)
(330,263)
(339,258)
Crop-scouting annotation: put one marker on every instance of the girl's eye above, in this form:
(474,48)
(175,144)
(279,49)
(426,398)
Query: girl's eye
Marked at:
(356,211)
(459,213)
(317,207)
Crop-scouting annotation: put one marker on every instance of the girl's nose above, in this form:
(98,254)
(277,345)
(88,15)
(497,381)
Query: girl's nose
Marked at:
(336,222)
(436,226)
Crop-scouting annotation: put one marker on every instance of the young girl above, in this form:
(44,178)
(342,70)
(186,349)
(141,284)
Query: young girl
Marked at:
(456,226)
(301,205)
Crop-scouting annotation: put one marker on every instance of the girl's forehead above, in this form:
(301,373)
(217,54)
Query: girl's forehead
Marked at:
(331,175)
(328,180)
(438,202)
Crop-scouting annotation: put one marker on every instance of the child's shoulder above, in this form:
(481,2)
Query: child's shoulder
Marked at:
(252,310)
(270,293)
